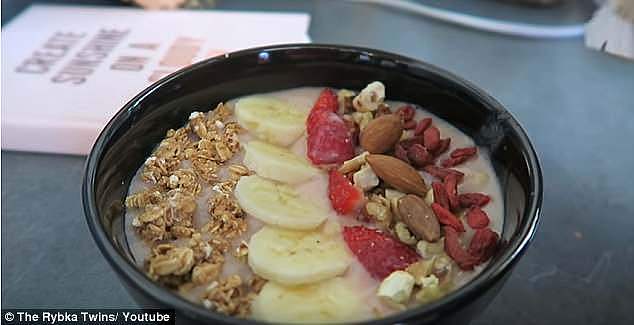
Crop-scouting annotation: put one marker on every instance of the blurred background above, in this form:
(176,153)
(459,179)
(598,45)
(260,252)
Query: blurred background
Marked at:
(576,103)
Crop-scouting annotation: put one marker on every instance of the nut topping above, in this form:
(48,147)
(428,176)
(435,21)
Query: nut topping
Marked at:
(419,217)
(397,174)
(381,134)
(370,97)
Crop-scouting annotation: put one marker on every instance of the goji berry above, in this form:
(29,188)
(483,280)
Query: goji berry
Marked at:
(468,151)
(422,125)
(446,217)
(410,142)
(484,244)
(431,138)
(406,112)
(451,162)
(451,185)
(443,146)
(454,249)
(401,153)
(476,218)
(440,194)
(408,125)
(418,155)
(441,173)
(468,200)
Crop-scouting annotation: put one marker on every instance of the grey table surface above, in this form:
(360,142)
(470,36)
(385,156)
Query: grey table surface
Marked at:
(576,104)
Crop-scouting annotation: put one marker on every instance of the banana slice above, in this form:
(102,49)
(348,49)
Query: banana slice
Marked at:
(276,163)
(270,119)
(277,204)
(331,301)
(292,257)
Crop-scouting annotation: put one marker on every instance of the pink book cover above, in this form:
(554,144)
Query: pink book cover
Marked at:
(67,69)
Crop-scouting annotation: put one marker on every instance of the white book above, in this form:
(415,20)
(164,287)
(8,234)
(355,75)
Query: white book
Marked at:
(67,69)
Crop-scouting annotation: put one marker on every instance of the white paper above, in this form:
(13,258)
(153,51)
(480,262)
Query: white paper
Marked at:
(610,32)
(67,69)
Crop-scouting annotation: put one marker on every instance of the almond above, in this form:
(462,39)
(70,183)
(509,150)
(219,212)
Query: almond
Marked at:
(397,174)
(419,217)
(382,133)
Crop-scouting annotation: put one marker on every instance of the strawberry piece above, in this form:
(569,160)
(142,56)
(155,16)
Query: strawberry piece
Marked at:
(378,252)
(483,244)
(423,125)
(451,185)
(330,140)
(345,198)
(326,103)
(454,249)
(431,138)
(447,218)
(441,173)
(477,219)
(331,143)
(468,200)
(440,194)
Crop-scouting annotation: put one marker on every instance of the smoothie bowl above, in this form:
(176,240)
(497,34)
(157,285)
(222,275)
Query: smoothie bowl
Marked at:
(313,183)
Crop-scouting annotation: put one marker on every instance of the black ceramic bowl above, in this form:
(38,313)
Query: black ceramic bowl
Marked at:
(134,131)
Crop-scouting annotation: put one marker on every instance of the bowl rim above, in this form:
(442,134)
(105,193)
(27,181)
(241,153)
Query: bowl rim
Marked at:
(475,287)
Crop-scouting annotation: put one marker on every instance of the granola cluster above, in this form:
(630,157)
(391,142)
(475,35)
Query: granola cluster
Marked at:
(188,160)
(232,296)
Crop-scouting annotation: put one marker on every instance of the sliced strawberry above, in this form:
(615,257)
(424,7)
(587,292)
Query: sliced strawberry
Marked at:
(327,100)
(330,140)
(326,104)
(331,143)
(345,198)
(378,252)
